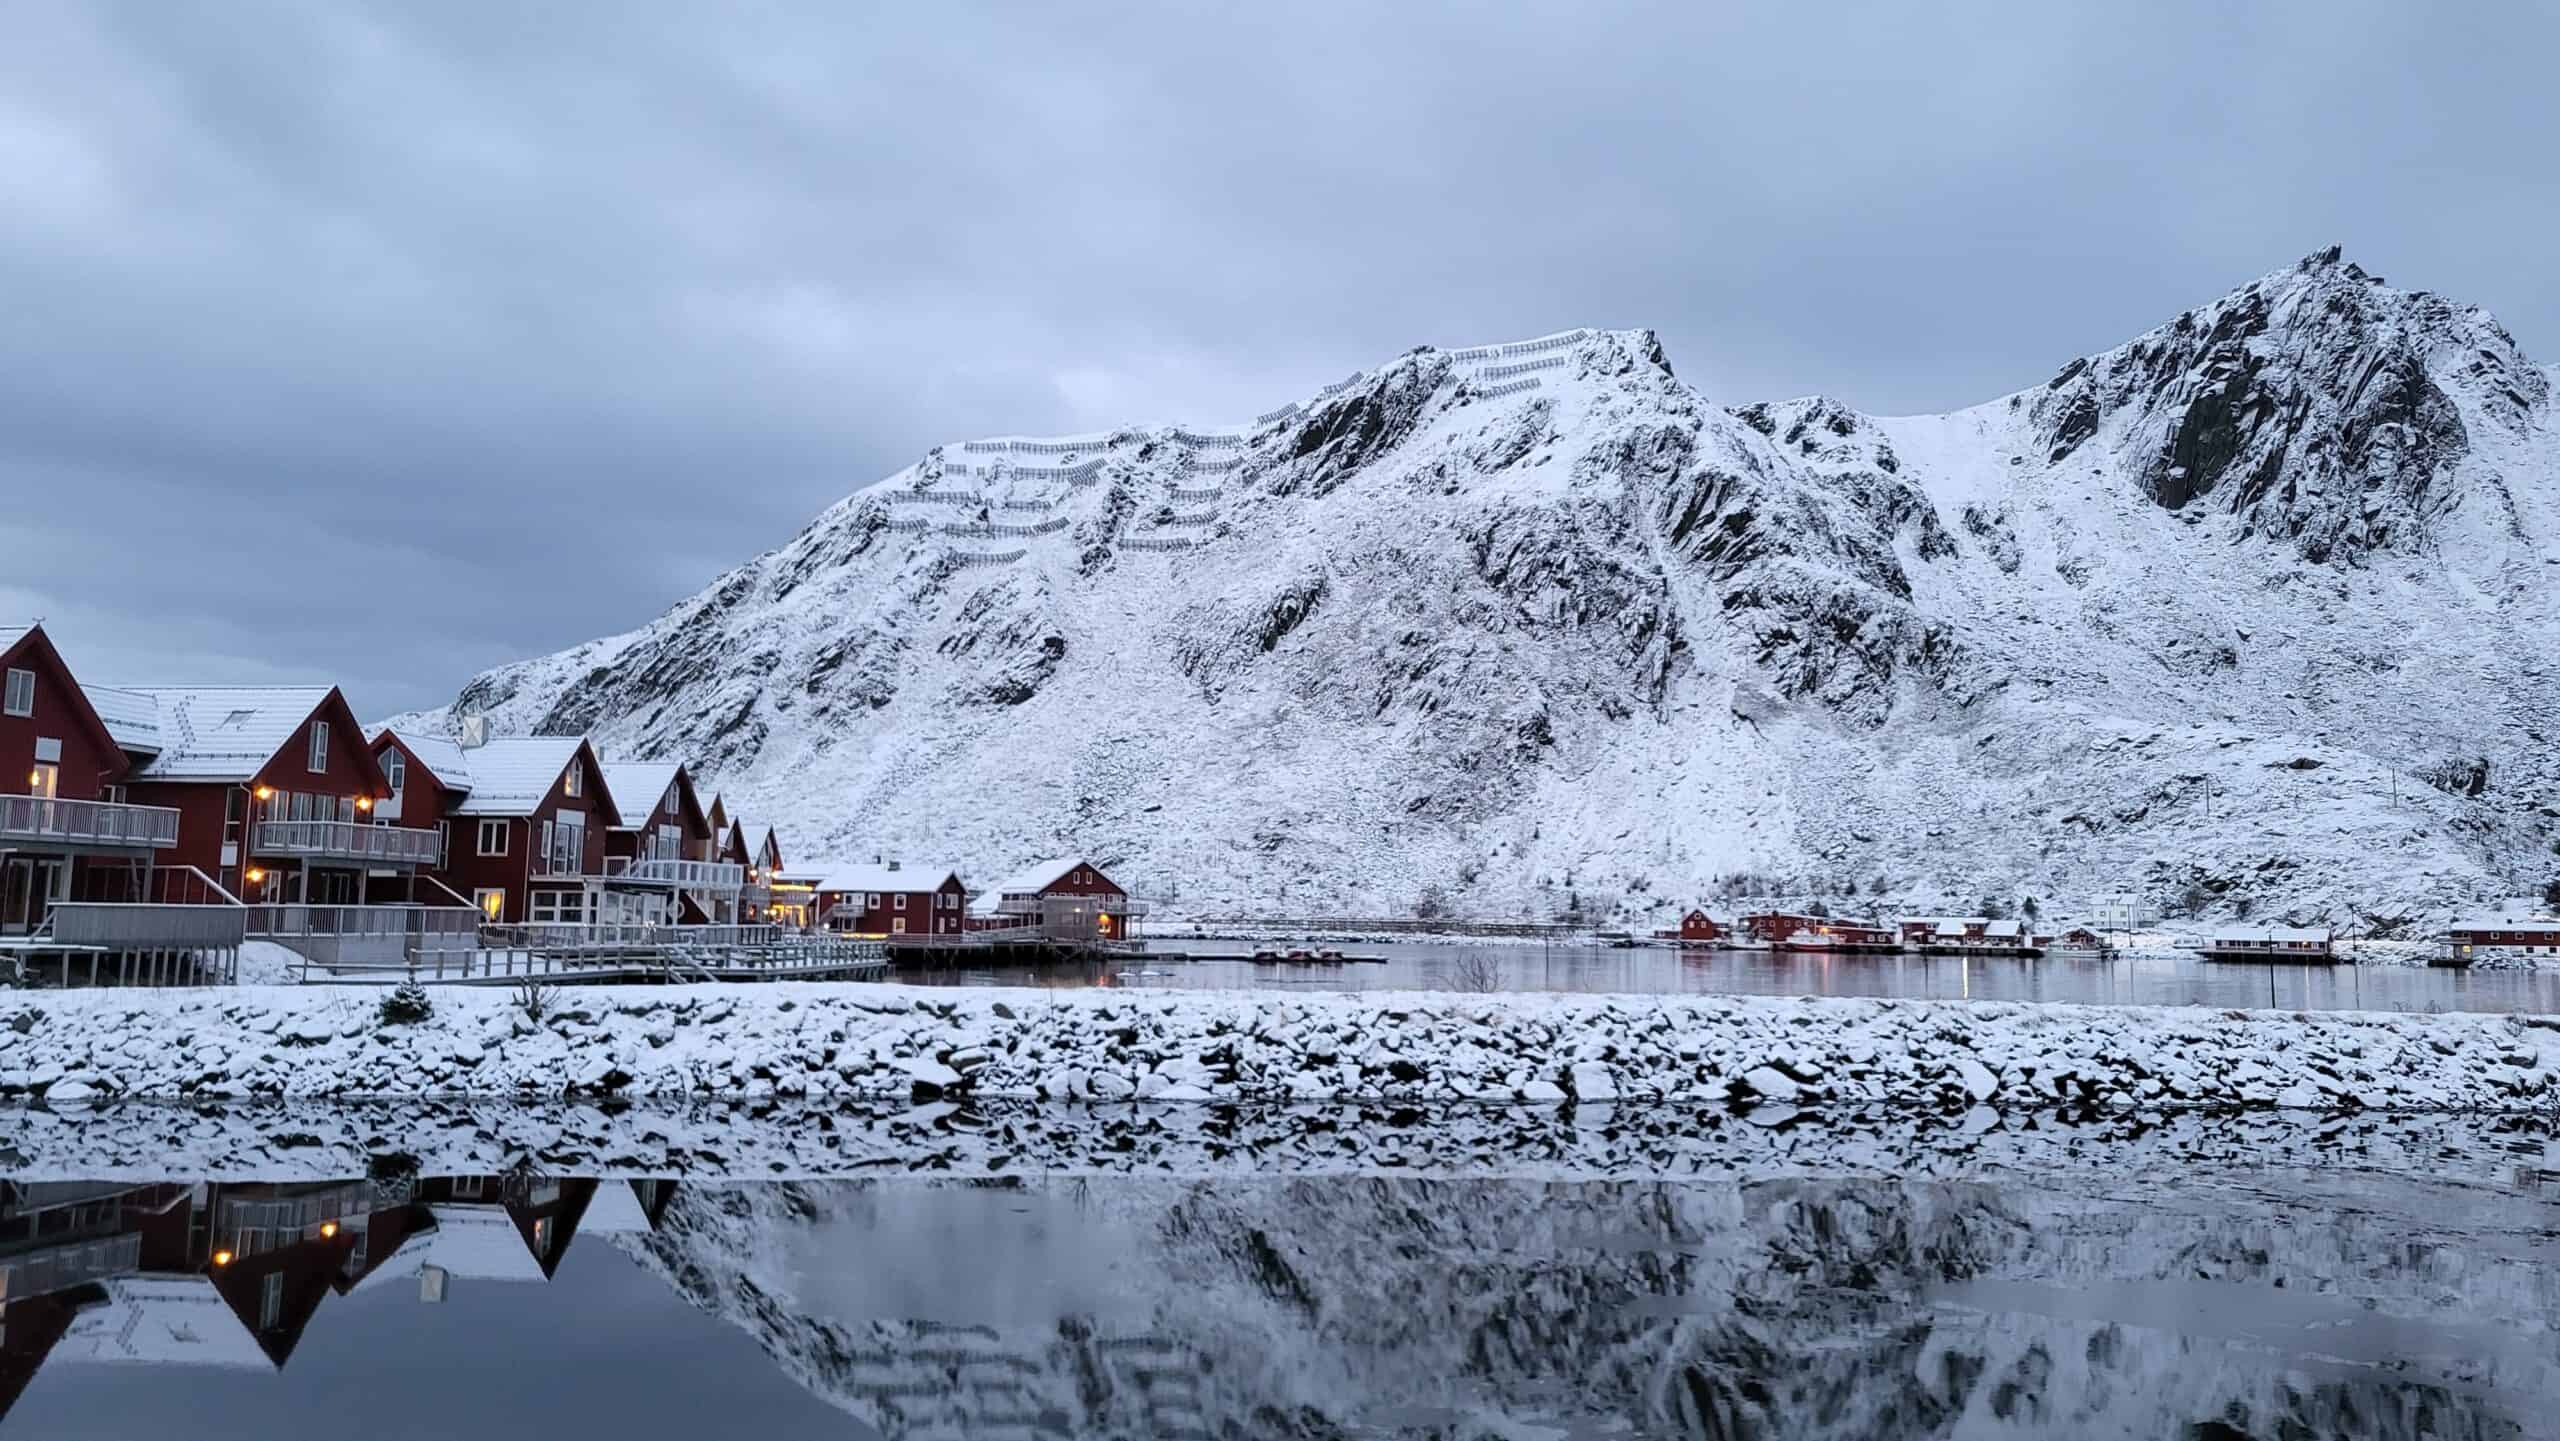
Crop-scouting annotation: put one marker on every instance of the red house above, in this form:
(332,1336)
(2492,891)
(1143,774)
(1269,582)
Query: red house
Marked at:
(62,775)
(756,850)
(274,785)
(658,869)
(1790,931)
(527,818)
(889,900)
(1069,899)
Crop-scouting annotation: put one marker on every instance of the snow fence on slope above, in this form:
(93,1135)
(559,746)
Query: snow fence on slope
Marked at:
(886,1041)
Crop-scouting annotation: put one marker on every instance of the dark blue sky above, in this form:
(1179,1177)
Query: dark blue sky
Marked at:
(381,343)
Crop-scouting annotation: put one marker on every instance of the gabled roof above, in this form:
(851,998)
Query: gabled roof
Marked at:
(29,644)
(131,717)
(511,775)
(2508,923)
(162,1320)
(444,759)
(877,876)
(641,784)
(754,835)
(214,732)
(1033,879)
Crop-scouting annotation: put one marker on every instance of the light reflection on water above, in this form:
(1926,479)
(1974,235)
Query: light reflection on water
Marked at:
(2085,1297)
(2139,980)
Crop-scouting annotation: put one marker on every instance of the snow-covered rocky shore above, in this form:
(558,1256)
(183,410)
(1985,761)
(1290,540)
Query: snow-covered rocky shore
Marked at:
(857,1040)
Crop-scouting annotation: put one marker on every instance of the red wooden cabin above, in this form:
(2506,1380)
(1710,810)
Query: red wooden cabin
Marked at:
(894,901)
(62,804)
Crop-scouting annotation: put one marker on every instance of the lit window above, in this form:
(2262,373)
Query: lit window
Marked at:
(569,782)
(492,902)
(319,746)
(22,692)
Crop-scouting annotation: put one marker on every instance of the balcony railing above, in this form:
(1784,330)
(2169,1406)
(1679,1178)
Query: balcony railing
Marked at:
(355,841)
(87,823)
(67,1264)
(329,935)
(687,875)
(133,926)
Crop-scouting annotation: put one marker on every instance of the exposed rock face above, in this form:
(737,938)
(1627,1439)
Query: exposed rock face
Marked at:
(1548,629)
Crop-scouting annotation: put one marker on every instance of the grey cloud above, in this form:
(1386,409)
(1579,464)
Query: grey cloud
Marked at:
(383,342)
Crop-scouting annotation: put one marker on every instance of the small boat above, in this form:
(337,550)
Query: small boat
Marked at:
(1266,958)
(1329,956)
(1298,955)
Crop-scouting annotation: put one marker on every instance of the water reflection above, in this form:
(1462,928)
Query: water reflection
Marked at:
(2314,1302)
(2162,979)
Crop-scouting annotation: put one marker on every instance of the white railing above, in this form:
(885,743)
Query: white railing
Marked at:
(627,935)
(96,823)
(70,1263)
(331,935)
(140,926)
(349,841)
(691,875)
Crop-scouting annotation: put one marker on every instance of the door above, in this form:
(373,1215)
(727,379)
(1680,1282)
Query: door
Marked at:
(29,885)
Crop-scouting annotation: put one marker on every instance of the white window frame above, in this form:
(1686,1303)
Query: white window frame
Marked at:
(467,1188)
(317,761)
(898,926)
(486,832)
(395,771)
(569,781)
(898,901)
(271,1301)
(21,699)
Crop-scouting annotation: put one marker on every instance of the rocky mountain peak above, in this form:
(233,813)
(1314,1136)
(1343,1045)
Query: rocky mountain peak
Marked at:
(2315,405)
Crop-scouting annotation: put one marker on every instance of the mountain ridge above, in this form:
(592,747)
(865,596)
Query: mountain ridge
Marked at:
(1514,628)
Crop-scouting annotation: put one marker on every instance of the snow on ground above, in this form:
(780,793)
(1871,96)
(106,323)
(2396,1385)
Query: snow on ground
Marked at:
(762,1139)
(264,963)
(878,1041)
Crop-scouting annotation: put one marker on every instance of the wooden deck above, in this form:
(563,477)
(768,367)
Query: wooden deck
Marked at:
(797,958)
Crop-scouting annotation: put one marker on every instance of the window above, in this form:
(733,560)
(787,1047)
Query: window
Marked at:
(45,781)
(871,899)
(466,1188)
(22,692)
(898,901)
(899,925)
(569,781)
(493,838)
(395,771)
(271,1301)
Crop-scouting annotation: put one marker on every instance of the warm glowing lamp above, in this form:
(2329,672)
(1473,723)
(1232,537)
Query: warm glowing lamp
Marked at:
(364,803)
(256,875)
(263,792)
(222,1258)
(328,1229)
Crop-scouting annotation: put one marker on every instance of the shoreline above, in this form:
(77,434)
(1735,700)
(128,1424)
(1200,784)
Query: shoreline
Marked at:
(855,1041)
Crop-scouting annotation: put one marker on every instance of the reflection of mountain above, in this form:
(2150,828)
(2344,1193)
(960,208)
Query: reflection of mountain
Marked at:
(1824,1308)
(229,1273)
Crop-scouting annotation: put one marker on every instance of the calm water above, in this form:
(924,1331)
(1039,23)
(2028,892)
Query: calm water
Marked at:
(2100,1295)
(2147,980)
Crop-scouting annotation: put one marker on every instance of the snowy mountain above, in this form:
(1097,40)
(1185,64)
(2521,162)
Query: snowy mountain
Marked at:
(1524,626)
(1817,1307)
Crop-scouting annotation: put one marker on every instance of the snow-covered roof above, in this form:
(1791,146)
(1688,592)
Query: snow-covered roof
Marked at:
(210,732)
(131,716)
(440,754)
(638,787)
(511,774)
(481,1243)
(2509,923)
(2004,928)
(878,876)
(162,1320)
(613,1210)
(2268,933)
(1031,880)
(1946,923)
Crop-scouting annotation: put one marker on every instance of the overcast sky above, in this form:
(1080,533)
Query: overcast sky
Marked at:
(383,343)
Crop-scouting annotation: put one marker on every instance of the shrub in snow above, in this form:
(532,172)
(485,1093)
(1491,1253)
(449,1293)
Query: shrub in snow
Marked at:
(406,1006)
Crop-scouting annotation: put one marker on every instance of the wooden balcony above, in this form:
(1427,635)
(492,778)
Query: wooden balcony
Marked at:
(42,823)
(139,926)
(348,842)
